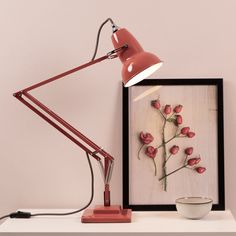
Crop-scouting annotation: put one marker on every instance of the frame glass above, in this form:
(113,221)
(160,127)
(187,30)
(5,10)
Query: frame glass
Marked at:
(173,143)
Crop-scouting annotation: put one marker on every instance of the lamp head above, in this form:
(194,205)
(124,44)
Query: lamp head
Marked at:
(137,64)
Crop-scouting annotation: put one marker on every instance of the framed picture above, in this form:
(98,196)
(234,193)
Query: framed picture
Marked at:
(173,143)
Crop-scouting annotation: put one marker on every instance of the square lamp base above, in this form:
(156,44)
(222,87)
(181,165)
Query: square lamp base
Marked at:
(106,214)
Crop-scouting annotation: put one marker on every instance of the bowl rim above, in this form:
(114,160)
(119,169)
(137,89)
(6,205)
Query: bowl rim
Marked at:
(208,200)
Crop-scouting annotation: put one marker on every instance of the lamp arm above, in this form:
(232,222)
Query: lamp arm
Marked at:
(93,148)
(25,92)
(108,162)
(71,71)
(56,126)
(110,55)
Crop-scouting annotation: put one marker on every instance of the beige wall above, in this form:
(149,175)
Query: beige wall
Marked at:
(39,168)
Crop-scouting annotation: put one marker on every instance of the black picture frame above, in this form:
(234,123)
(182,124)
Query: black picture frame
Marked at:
(218,82)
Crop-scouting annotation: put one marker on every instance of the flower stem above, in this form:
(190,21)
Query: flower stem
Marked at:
(171,138)
(164,177)
(162,115)
(140,151)
(168,158)
(185,159)
(164,155)
(155,166)
(171,115)
(163,143)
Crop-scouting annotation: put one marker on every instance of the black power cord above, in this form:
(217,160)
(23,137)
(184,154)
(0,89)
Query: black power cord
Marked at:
(6,216)
(81,209)
(25,215)
(98,35)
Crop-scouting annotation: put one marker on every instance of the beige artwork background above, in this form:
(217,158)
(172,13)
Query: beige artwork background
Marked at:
(200,114)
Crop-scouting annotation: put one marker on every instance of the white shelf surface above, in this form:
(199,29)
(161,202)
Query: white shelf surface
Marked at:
(158,222)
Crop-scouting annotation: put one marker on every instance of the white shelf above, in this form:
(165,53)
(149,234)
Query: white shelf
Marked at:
(170,223)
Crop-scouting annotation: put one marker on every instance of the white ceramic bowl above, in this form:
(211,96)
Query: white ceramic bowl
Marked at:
(193,207)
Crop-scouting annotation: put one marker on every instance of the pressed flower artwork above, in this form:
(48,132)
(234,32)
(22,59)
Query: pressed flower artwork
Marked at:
(174,119)
(172,149)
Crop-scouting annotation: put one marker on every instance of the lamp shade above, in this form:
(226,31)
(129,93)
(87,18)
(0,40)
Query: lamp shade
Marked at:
(137,64)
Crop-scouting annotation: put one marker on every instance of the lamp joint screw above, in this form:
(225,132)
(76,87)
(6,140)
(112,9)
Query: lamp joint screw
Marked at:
(18,94)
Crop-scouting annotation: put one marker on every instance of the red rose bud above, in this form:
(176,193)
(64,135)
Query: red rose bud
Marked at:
(185,130)
(156,104)
(198,159)
(190,134)
(179,119)
(146,138)
(174,149)
(151,151)
(167,109)
(188,150)
(178,109)
(192,162)
(200,170)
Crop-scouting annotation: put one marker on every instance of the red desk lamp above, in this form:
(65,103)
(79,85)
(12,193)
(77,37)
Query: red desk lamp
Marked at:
(137,65)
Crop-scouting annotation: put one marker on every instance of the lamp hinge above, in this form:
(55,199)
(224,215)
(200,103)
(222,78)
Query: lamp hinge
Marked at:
(113,54)
(18,94)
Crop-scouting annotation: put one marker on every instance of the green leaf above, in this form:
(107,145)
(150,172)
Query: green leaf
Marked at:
(171,120)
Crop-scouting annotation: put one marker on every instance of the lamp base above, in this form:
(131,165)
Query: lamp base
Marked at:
(106,214)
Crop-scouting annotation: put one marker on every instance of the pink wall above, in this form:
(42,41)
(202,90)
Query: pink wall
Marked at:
(40,168)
